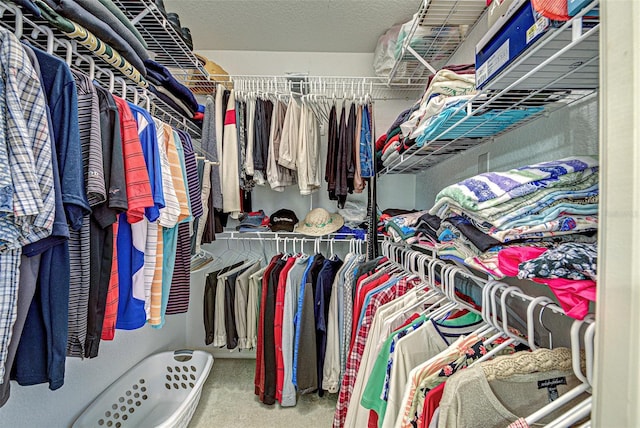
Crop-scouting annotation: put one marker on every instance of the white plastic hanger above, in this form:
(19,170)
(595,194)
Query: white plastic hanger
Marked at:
(530,321)
(574,392)
(573,415)
(18,30)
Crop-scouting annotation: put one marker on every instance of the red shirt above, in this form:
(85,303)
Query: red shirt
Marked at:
(258,380)
(361,293)
(431,403)
(277,325)
(136,174)
(111,307)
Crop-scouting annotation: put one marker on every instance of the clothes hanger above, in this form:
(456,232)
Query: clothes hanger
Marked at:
(488,327)
(574,392)
(575,347)
(18,29)
(489,312)
(441,308)
(583,409)
(123,87)
(589,341)
(503,330)
(575,414)
(530,322)
(145,95)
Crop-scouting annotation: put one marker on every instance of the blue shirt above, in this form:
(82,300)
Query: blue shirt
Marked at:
(366,156)
(297,319)
(62,98)
(149,142)
(370,294)
(131,313)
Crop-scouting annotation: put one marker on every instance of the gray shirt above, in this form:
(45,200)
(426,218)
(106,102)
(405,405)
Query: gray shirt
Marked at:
(294,278)
(241,300)
(470,400)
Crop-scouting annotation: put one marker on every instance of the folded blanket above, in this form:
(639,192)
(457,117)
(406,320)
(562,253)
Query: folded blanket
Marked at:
(493,188)
(90,41)
(393,147)
(583,191)
(563,225)
(161,76)
(106,27)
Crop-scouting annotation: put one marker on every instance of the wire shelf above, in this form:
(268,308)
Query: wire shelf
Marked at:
(558,70)
(339,87)
(161,36)
(438,28)
(81,59)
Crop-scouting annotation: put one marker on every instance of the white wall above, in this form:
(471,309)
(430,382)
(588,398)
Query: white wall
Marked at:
(36,406)
(394,191)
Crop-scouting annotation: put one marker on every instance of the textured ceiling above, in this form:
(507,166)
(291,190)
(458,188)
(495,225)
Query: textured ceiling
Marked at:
(290,25)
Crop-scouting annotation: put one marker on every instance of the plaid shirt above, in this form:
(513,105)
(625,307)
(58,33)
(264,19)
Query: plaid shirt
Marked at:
(28,156)
(29,148)
(355,356)
(347,300)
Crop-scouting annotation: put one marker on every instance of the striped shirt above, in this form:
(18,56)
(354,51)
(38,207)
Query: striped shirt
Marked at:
(178,299)
(80,241)
(179,294)
(175,164)
(28,146)
(135,169)
(156,285)
(90,139)
(192,174)
(79,285)
(171,211)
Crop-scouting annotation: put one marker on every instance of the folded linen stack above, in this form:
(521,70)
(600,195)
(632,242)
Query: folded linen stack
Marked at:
(104,19)
(536,222)
(452,82)
(168,89)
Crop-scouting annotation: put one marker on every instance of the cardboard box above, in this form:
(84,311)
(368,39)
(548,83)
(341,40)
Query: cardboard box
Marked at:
(510,36)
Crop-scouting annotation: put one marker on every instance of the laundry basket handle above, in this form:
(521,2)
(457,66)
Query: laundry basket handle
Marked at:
(183,354)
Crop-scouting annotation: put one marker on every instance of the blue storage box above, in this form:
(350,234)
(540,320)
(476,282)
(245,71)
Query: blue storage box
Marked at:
(507,39)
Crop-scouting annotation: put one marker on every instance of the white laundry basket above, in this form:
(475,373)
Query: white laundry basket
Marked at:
(162,390)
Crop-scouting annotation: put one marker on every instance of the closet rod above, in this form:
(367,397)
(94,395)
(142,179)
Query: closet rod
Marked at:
(332,86)
(393,251)
(281,236)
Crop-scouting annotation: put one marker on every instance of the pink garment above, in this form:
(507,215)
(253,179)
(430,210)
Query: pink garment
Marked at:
(510,258)
(520,423)
(573,295)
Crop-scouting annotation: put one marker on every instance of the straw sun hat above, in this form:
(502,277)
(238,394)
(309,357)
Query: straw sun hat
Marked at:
(320,222)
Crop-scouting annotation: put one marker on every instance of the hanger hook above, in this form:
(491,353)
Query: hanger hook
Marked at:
(541,321)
